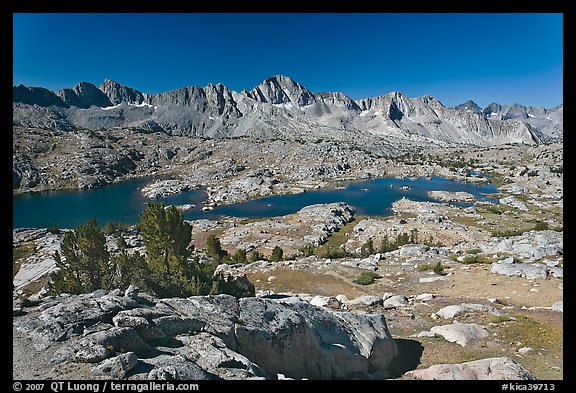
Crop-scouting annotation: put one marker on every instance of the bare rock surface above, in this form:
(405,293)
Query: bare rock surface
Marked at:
(219,336)
(486,369)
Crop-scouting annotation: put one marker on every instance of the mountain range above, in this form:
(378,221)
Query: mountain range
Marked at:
(281,107)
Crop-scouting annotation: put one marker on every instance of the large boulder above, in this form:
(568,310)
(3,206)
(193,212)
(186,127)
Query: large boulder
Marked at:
(233,282)
(303,341)
(461,333)
(493,368)
(116,367)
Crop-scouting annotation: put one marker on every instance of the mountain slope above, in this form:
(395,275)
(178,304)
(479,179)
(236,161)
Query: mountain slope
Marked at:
(281,107)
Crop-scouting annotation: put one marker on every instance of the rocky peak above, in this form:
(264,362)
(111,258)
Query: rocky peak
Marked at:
(281,89)
(339,100)
(118,93)
(468,106)
(492,110)
(84,95)
(515,111)
(220,97)
(35,95)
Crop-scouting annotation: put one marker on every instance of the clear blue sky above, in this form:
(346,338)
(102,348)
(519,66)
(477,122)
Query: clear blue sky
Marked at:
(488,58)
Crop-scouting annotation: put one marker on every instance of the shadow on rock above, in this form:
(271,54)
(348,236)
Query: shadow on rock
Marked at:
(409,354)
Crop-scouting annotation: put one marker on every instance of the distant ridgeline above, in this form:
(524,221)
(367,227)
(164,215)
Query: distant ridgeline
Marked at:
(281,107)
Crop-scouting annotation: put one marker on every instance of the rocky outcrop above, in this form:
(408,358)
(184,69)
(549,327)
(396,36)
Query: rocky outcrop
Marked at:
(132,336)
(314,223)
(232,282)
(163,188)
(510,267)
(530,246)
(24,172)
(493,368)
(446,196)
(514,202)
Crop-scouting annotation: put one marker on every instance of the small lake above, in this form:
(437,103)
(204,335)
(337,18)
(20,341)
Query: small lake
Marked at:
(123,202)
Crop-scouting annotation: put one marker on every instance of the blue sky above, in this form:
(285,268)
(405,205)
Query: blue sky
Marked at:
(502,58)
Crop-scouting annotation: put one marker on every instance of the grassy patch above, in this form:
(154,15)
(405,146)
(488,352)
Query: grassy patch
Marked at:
(541,226)
(331,248)
(502,319)
(544,336)
(468,259)
(303,281)
(366,278)
(506,232)
(35,286)
(426,267)
(20,253)
(436,268)
(245,221)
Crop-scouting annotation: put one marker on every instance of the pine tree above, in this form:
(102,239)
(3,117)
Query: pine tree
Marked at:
(277,254)
(240,256)
(167,236)
(86,264)
(256,256)
(215,249)
(367,249)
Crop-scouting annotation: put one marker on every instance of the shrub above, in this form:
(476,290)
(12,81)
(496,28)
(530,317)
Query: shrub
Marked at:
(367,249)
(506,233)
(468,259)
(474,251)
(541,226)
(307,251)
(277,254)
(256,256)
(239,256)
(439,269)
(366,278)
(401,239)
(332,253)
(53,229)
(426,267)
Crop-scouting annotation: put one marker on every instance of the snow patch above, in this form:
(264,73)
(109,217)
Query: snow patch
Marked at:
(107,108)
(143,105)
(285,106)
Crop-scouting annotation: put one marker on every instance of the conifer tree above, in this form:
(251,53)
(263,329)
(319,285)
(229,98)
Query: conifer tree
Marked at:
(83,262)
(277,254)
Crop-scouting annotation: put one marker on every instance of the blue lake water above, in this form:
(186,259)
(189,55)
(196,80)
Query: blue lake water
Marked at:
(123,202)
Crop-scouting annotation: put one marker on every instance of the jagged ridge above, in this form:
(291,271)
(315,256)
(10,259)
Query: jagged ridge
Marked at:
(279,106)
